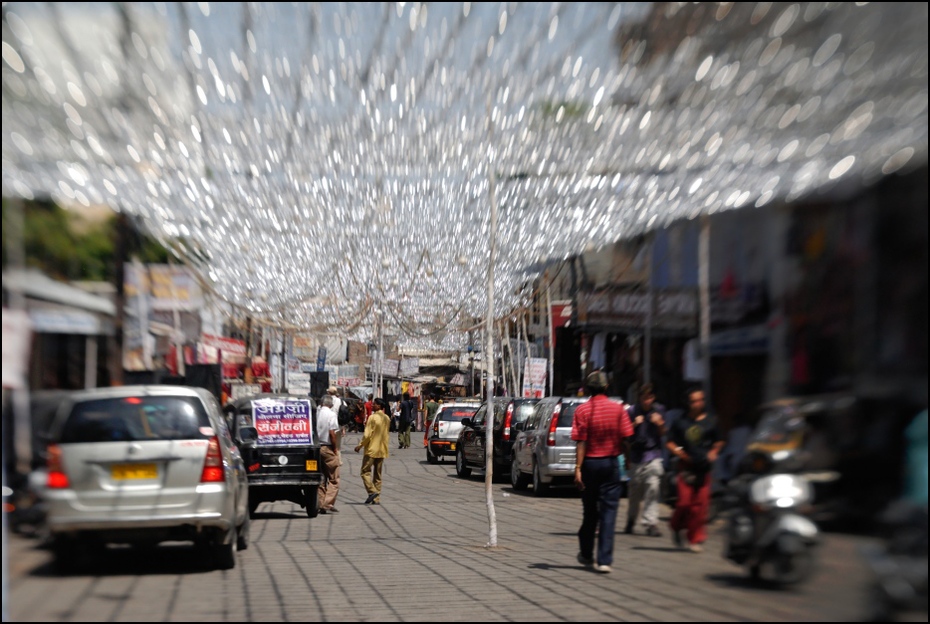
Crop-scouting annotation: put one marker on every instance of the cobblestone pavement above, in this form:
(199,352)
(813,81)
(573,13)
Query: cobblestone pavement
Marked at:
(421,556)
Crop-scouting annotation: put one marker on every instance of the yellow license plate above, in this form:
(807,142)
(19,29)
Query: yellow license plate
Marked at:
(127,472)
(452,446)
(311,465)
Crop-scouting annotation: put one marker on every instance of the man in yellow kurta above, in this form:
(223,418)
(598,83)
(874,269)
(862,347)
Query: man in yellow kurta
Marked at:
(375,441)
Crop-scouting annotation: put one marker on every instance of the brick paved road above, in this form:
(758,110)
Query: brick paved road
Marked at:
(420,556)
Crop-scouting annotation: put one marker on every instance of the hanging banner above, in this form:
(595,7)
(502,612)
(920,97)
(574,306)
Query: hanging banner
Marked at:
(534,378)
(17,335)
(390,368)
(229,347)
(321,359)
(409,367)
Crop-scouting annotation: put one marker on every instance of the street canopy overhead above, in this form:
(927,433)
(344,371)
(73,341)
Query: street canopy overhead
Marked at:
(319,162)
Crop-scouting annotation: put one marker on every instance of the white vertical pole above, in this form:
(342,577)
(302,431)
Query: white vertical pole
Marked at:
(526,340)
(178,341)
(551,339)
(704,293)
(90,362)
(489,344)
(650,307)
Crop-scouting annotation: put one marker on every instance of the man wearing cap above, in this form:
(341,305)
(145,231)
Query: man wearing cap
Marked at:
(337,402)
(599,428)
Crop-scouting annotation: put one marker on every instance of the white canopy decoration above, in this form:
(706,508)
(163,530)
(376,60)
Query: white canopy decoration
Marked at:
(320,162)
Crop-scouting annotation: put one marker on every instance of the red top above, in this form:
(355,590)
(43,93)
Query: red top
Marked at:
(369,406)
(603,424)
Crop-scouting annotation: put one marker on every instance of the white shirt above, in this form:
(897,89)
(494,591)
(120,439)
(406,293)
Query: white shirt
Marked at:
(326,421)
(337,403)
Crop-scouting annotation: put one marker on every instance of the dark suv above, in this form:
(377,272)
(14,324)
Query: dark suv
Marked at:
(277,436)
(508,411)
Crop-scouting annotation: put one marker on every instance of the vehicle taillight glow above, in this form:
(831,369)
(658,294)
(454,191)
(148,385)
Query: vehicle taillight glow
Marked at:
(57,479)
(550,441)
(508,419)
(213,464)
(133,400)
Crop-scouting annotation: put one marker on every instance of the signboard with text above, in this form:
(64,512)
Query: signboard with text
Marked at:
(534,378)
(282,422)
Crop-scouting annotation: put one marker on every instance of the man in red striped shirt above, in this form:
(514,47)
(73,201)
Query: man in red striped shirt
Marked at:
(599,427)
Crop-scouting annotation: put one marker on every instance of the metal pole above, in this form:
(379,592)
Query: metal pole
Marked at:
(527,368)
(704,293)
(650,306)
(551,340)
(489,344)
(90,362)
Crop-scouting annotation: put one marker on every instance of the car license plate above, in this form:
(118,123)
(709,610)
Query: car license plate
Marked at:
(127,472)
(452,446)
(311,465)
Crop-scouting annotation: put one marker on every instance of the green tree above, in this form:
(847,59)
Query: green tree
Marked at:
(70,246)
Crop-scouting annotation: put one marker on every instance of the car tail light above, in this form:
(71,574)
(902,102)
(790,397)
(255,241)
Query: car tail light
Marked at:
(436,425)
(550,441)
(508,419)
(213,464)
(57,479)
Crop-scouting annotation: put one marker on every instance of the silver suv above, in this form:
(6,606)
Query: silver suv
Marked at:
(143,465)
(544,451)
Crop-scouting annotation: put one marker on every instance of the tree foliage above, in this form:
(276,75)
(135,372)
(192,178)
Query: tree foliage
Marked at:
(68,245)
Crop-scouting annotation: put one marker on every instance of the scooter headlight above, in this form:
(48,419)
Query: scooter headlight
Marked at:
(782,490)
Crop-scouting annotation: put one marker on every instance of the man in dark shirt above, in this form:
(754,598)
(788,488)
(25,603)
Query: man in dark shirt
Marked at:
(646,462)
(407,420)
(695,439)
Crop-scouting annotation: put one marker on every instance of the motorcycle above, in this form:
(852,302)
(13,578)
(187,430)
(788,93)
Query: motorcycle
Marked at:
(768,530)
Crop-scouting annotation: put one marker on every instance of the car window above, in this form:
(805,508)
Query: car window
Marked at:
(567,415)
(456,414)
(137,419)
(523,412)
(479,418)
(533,421)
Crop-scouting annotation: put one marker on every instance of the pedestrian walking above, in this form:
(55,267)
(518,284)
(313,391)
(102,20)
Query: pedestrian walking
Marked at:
(369,408)
(407,419)
(337,402)
(431,407)
(375,442)
(599,427)
(330,435)
(696,441)
(646,464)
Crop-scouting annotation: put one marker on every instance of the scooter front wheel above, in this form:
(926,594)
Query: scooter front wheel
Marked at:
(791,565)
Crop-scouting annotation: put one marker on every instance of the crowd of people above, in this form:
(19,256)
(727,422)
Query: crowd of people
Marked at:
(644,434)
(604,430)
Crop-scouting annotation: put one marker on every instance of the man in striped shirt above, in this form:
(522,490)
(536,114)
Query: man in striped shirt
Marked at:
(599,427)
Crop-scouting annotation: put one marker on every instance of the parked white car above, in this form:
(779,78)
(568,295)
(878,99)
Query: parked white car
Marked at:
(444,430)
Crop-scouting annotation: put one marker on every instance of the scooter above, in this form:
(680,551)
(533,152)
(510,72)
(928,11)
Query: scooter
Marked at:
(767,532)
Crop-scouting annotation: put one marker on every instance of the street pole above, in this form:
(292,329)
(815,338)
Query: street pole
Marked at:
(704,293)
(489,345)
(551,338)
(650,306)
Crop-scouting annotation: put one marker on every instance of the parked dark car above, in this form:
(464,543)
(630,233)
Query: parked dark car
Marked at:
(281,465)
(470,453)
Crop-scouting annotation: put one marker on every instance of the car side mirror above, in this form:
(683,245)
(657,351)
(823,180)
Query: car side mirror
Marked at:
(520,426)
(466,422)
(248,436)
